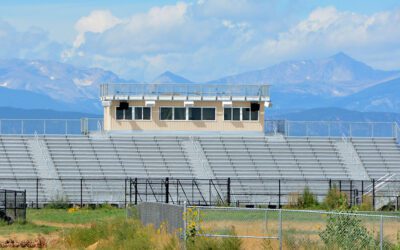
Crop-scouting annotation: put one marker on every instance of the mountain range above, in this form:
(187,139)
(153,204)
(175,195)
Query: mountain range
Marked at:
(337,81)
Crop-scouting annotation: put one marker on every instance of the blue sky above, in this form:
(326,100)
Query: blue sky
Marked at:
(200,39)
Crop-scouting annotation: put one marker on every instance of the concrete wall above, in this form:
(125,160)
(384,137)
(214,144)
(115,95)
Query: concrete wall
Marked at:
(110,123)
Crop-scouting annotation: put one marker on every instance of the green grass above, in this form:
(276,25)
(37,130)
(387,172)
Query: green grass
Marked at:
(81,216)
(247,215)
(27,227)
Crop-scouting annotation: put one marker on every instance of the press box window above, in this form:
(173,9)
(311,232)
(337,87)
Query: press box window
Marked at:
(209,114)
(142,113)
(232,114)
(165,113)
(195,114)
(179,113)
(124,113)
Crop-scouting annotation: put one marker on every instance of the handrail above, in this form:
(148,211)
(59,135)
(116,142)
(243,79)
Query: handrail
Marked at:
(380,183)
(190,89)
(333,128)
(397,132)
(49,126)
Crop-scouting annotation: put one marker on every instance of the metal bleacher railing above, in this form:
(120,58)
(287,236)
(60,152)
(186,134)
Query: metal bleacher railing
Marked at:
(397,132)
(50,126)
(205,192)
(332,128)
(284,127)
(184,90)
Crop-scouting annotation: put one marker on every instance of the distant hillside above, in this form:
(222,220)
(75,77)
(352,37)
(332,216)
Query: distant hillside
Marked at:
(337,75)
(16,113)
(63,86)
(381,97)
(169,77)
(337,81)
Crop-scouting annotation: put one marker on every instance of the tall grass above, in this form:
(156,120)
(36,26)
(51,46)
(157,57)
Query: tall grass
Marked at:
(119,233)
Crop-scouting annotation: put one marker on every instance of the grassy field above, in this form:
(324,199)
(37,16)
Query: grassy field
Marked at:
(46,221)
(108,228)
(301,230)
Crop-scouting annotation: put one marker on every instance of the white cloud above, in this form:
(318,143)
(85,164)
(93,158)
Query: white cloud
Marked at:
(326,31)
(97,21)
(203,40)
(31,43)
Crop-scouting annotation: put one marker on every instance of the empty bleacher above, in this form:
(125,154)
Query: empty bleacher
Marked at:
(254,162)
(379,156)
(17,167)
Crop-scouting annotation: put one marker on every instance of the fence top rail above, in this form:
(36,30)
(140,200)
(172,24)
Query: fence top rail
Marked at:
(11,191)
(159,203)
(332,122)
(48,119)
(334,181)
(296,211)
(189,89)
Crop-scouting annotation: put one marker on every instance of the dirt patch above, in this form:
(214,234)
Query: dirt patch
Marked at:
(39,242)
(60,225)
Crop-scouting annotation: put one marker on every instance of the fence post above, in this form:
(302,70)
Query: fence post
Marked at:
(37,193)
(330,184)
(340,185)
(307,132)
(381,234)
(15,204)
(373,194)
(5,201)
(280,229)
(66,127)
(329,129)
(209,192)
(228,198)
(25,205)
(279,193)
(184,222)
(136,191)
(81,192)
(125,189)
(362,191)
(167,190)
(351,193)
(130,190)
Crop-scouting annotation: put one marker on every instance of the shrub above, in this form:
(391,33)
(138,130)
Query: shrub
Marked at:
(119,233)
(305,200)
(335,199)
(208,243)
(59,202)
(366,204)
(346,231)
(293,200)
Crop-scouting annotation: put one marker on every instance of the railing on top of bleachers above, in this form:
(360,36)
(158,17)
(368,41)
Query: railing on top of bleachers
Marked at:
(50,126)
(284,127)
(397,132)
(333,128)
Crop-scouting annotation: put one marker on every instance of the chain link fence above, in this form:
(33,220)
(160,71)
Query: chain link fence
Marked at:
(299,229)
(271,193)
(162,215)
